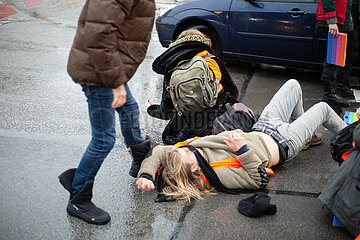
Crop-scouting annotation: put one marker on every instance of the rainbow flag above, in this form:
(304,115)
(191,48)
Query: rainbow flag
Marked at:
(350,117)
(336,49)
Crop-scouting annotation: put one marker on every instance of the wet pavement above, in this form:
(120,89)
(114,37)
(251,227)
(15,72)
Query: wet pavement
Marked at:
(44,130)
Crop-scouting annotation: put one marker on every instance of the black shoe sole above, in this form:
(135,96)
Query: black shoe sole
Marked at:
(74,214)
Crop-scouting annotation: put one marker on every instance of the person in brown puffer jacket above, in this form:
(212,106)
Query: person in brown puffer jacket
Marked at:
(110,43)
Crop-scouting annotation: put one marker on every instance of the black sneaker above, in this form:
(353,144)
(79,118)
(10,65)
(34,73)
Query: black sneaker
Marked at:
(333,99)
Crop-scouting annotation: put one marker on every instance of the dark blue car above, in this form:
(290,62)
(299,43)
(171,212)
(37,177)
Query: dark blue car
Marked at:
(280,32)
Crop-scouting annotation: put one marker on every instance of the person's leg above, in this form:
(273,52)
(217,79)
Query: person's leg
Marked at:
(129,120)
(102,120)
(329,75)
(285,104)
(342,83)
(80,181)
(328,78)
(302,129)
(130,128)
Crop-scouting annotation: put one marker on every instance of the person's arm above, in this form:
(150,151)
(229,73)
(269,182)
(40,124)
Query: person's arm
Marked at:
(119,96)
(101,29)
(329,8)
(166,109)
(333,29)
(150,166)
(251,163)
(237,143)
(145,182)
(330,14)
(158,111)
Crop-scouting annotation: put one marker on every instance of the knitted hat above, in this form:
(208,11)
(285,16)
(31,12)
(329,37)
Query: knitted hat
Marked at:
(257,205)
(196,38)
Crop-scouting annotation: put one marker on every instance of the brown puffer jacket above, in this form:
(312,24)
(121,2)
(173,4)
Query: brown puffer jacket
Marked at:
(111,41)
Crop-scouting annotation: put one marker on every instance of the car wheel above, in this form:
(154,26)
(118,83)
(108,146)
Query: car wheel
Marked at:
(210,33)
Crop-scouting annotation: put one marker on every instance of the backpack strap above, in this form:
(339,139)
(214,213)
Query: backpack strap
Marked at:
(230,115)
(210,174)
(220,124)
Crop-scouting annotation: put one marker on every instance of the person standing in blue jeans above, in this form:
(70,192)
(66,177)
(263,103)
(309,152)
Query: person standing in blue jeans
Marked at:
(105,54)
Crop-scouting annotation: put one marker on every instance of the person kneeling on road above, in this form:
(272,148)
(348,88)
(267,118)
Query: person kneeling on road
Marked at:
(240,159)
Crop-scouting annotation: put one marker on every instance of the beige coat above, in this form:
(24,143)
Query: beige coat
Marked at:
(251,175)
(111,41)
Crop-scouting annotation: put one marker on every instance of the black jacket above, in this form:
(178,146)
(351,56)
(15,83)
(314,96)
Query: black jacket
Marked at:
(183,127)
(342,194)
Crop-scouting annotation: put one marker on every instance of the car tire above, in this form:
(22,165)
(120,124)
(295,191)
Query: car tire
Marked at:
(210,33)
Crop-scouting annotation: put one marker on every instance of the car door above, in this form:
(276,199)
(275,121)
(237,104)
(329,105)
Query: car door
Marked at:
(273,29)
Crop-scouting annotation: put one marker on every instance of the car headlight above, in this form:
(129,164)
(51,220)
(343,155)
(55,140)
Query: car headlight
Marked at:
(165,10)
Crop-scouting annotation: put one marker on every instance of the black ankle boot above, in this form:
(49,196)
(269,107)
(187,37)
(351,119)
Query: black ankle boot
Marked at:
(345,92)
(80,204)
(138,153)
(332,99)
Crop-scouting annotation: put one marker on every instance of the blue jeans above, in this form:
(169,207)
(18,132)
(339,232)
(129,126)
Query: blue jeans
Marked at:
(102,120)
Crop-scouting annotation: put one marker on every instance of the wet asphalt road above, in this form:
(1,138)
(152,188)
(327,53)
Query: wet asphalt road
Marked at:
(44,130)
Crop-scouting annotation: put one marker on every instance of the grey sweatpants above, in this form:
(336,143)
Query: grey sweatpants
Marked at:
(287,104)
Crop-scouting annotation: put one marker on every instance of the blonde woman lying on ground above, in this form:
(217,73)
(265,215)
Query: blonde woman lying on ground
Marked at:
(240,159)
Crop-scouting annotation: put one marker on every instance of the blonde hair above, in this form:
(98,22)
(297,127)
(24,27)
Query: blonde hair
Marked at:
(191,35)
(180,181)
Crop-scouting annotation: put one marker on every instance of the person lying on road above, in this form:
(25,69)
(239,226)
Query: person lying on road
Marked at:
(240,159)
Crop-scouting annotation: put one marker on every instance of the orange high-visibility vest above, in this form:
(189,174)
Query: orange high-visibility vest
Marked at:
(186,142)
(346,154)
(226,163)
(230,163)
(214,67)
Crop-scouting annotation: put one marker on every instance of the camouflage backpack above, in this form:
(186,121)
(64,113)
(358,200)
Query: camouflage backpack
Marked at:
(192,88)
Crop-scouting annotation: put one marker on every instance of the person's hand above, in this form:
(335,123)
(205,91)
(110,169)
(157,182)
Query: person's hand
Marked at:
(148,103)
(145,184)
(236,141)
(119,96)
(333,29)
